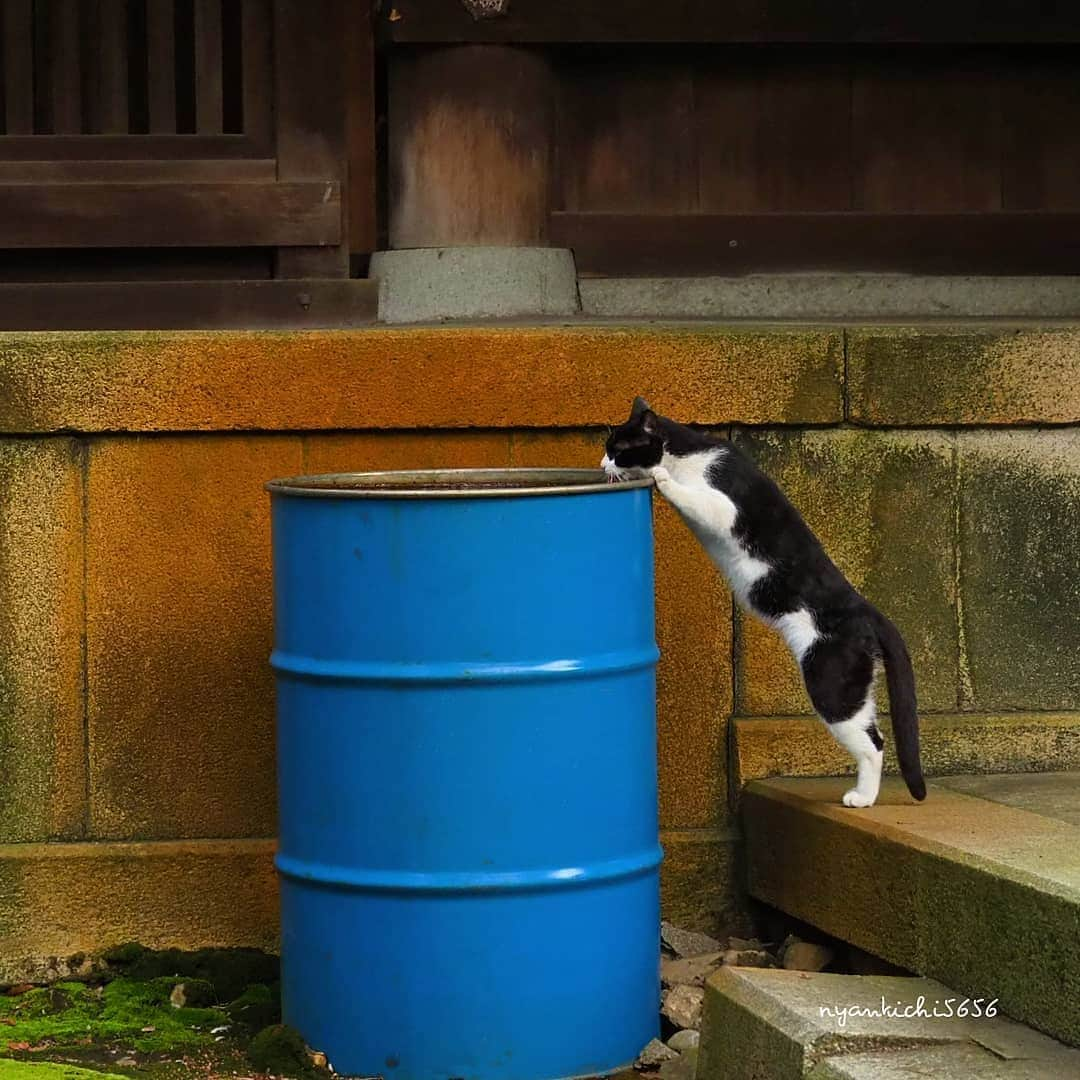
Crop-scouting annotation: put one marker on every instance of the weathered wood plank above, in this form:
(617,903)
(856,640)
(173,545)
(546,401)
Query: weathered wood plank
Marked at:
(708,21)
(111,52)
(926,133)
(309,116)
(167,215)
(692,244)
(256,75)
(161,66)
(18,29)
(126,147)
(66,67)
(360,128)
(188,305)
(209,115)
(773,131)
(626,137)
(195,171)
(470,146)
(1041,135)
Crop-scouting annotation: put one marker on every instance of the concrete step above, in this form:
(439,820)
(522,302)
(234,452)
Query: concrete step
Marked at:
(978,887)
(832,296)
(762,1024)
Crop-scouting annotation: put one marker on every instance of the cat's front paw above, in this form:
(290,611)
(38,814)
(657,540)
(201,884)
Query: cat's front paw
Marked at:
(855,797)
(659,474)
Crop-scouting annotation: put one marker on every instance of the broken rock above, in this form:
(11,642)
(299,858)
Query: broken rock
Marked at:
(749,958)
(685,943)
(691,970)
(806,956)
(654,1055)
(744,943)
(683,1004)
(684,1040)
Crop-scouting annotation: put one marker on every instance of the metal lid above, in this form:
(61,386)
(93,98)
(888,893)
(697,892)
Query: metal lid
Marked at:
(452,484)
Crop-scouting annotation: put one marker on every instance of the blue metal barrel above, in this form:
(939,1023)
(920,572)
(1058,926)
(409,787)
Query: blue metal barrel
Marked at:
(467,771)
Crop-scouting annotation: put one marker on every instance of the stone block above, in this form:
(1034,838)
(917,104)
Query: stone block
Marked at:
(981,895)
(958,375)
(884,506)
(425,377)
(1020,568)
(60,899)
(787,1025)
(179,632)
(701,881)
(364,451)
(42,752)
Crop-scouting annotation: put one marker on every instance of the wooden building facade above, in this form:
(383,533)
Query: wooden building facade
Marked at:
(208,155)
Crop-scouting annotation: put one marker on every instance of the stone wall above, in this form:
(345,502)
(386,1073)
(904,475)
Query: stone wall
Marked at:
(136,709)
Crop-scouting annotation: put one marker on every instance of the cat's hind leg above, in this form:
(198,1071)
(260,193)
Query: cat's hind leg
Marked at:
(862,739)
(840,680)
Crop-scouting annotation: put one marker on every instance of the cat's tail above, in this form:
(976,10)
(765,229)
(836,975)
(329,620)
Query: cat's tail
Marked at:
(900,679)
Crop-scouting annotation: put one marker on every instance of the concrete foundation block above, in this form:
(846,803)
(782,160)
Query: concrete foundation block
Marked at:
(433,284)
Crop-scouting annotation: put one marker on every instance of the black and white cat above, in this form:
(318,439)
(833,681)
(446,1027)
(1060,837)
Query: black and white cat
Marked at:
(779,571)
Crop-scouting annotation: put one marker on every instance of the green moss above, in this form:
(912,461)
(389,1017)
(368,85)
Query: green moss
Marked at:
(281,1050)
(125,954)
(256,1008)
(904,376)
(135,1015)
(229,971)
(47,1070)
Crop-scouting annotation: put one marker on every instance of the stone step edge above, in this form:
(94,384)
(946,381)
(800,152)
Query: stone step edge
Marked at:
(757,1020)
(765,746)
(979,895)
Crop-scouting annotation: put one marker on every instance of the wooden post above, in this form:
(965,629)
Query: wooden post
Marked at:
(470,131)
(310,119)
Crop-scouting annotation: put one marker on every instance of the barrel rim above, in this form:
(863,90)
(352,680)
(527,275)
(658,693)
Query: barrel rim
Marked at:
(436,484)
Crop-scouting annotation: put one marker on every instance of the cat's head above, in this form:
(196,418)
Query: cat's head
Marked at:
(635,446)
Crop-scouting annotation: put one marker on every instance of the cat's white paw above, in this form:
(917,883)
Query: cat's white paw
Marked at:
(660,474)
(854,797)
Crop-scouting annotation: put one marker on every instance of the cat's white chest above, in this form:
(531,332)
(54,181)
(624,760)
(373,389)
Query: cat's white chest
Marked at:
(715,530)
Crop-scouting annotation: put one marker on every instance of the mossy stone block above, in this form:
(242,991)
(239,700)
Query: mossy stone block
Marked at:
(42,754)
(701,881)
(953,375)
(884,506)
(60,899)
(1020,568)
(983,896)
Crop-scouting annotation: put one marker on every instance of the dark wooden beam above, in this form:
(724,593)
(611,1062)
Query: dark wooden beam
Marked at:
(188,305)
(642,245)
(121,147)
(154,171)
(170,215)
(716,21)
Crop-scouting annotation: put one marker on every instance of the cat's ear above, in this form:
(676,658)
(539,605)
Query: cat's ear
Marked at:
(649,423)
(640,406)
